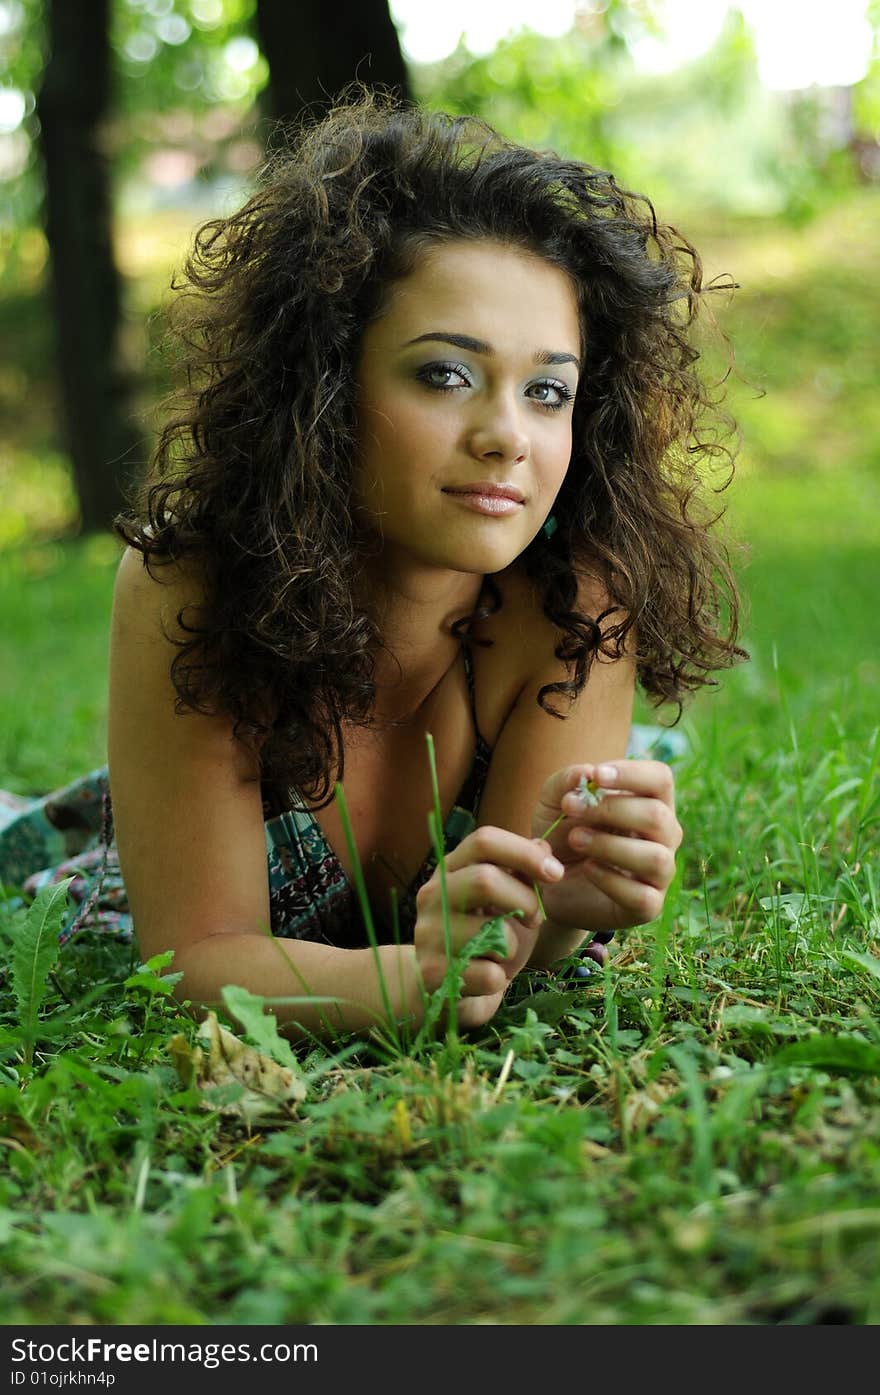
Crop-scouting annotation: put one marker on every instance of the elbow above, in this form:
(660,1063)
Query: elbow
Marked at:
(201,965)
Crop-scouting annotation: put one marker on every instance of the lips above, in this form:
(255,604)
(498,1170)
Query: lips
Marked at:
(488,490)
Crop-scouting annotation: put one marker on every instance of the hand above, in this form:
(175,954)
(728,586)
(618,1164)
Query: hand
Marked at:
(490,873)
(621,876)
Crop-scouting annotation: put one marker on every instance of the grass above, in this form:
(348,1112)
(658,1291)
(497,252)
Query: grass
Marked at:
(692,1137)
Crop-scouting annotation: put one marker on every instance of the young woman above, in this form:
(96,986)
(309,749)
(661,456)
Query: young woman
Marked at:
(436,464)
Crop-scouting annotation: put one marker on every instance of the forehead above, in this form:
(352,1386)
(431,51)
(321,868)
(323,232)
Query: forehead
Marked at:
(503,294)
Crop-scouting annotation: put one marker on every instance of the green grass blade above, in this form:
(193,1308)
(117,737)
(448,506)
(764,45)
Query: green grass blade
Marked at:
(700,1120)
(364,900)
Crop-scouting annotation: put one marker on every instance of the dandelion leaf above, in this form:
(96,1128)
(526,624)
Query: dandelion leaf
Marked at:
(871,962)
(260,1025)
(491,938)
(847,1055)
(550,1005)
(34,951)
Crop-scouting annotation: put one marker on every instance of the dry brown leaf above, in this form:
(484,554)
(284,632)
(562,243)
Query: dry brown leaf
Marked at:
(220,1059)
(641,1107)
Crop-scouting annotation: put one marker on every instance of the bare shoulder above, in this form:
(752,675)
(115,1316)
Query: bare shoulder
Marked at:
(522,628)
(152,599)
(186,795)
(145,636)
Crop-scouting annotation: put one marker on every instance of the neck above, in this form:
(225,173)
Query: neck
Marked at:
(418,647)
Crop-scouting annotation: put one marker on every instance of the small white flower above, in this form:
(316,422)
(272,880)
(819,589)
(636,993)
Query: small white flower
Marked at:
(589,793)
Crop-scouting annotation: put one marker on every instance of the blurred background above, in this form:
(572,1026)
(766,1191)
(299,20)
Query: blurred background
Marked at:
(753,127)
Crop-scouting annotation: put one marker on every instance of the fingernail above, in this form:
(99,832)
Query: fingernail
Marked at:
(581,838)
(553,867)
(607,774)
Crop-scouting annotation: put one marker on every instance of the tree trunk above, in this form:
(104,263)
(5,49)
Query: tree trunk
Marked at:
(314,49)
(72,108)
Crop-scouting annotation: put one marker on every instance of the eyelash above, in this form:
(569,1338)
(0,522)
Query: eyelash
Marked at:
(566,395)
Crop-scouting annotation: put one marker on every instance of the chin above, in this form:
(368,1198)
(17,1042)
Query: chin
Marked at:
(485,560)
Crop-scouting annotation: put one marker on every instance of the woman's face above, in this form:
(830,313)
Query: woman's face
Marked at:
(467,378)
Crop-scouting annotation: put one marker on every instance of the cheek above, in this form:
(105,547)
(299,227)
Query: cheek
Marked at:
(403,431)
(556,451)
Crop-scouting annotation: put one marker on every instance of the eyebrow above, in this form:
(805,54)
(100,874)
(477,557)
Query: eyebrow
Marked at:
(479,346)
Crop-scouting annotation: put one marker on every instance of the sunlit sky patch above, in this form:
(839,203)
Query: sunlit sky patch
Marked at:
(799,42)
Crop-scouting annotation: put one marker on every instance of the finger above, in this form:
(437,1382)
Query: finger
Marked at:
(646,818)
(483,977)
(500,863)
(531,858)
(462,929)
(480,976)
(472,925)
(640,902)
(653,778)
(477,1011)
(653,863)
(498,891)
(437,944)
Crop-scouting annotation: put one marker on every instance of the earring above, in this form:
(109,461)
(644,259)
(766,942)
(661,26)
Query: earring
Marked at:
(550,526)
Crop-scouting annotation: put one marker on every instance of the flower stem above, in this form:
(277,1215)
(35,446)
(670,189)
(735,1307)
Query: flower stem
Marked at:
(554,824)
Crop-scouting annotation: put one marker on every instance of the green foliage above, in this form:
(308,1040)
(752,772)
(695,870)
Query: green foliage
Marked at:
(187,78)
(188,75)
(46,593)
(542,92)
(706,135)
(22,44)
(260,1025)
(587,1135)
(848,1055)
(34,950)
(866,94)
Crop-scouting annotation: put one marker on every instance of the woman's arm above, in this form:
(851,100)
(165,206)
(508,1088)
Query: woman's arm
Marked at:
(534,759)
(338,990)
(189,830)
(534,745)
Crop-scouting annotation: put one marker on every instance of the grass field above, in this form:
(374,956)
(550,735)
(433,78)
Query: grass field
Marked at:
(692,1137)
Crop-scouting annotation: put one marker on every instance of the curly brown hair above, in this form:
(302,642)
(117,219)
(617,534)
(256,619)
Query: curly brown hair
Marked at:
(253,471)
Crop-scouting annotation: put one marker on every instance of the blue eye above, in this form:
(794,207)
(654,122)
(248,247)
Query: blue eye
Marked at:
(431,374)
(564,394)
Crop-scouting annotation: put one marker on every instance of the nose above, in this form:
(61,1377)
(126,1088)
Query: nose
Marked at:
(498,432)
